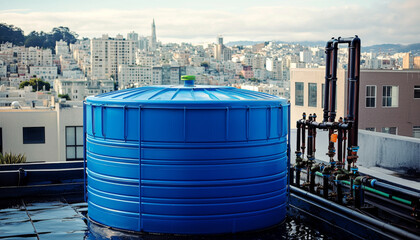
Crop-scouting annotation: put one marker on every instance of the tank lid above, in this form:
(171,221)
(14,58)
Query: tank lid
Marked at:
(188,80)
(195,93)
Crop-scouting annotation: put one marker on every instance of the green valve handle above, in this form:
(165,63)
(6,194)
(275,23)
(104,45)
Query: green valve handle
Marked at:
(188,80)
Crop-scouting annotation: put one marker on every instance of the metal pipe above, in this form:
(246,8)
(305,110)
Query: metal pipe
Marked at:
(328,50)
(310,140)
(340,147)
(297,177)
(303,135)
(354,215)
(383,194)
(344,147)
(298,137)
(325,186)
(395,189)
(333,81)
(313,137)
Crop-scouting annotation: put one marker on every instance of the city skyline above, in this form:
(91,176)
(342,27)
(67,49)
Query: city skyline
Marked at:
(377,22)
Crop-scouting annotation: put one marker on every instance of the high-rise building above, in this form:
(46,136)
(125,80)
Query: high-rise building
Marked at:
(61,48)
(108,53)
(218,48)
(132,36)
(152,43)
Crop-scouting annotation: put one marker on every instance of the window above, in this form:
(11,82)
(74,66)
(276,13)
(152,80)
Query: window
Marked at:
(312,94)
(33,135)
(372,129)
(370,96)
(416,131)
(299,93)
(417,91)
(74,143)
(390,130)
(323,95)
(390,96)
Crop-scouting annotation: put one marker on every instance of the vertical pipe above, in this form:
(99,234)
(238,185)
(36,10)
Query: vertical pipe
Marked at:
(340,147)
(333,81)
(303,134)
(309,154)
(339,193)
(298,137)
(344,146)
(312,182)
(325,186)
(327,79)
(84,151)
(357,90)
(309,139)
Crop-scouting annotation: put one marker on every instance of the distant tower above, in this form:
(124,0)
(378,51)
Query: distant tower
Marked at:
(220,39)
(218,48)
(153,37)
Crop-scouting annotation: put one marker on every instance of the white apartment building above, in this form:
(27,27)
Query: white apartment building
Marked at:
(61,48)
(36,57)
(265,88)
(75,88)
(24,96)
(139,75)
(305,56)
(43,134)
(258,61)
(45,73)
(108,53)
(145,59)
(75,74)
(3,70)
(79,89)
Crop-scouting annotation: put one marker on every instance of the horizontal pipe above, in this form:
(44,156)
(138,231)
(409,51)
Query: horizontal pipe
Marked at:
(397,189)
(325,125)
(353,214)
(372,190)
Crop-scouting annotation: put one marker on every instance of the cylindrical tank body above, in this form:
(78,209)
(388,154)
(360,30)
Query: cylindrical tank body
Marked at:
(186,160)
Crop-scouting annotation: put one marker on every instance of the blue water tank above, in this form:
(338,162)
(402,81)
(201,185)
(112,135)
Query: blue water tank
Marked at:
(186,159)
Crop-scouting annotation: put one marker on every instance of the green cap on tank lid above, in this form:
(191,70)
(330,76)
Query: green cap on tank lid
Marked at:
(187,77)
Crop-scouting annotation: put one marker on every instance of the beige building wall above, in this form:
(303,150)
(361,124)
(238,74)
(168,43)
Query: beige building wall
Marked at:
(404,116)
(12,122)
(314,75)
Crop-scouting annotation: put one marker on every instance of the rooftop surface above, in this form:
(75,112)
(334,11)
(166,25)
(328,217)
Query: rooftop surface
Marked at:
(65,218)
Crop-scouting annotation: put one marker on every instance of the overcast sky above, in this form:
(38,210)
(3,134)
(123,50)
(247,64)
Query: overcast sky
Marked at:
(375,21)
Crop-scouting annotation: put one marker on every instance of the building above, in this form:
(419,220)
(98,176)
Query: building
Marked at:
(43,134)
(410,61)
(305,56)
(46,73)
(132,36)
(247,72)
(108,53)
(389,101)
(139,75)
(153,41)
(61,48)
(79,89)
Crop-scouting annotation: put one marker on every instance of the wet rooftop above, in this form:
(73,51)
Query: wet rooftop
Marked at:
(65,218)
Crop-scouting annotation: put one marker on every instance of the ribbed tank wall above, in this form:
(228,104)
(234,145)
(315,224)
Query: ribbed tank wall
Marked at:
(196,169)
